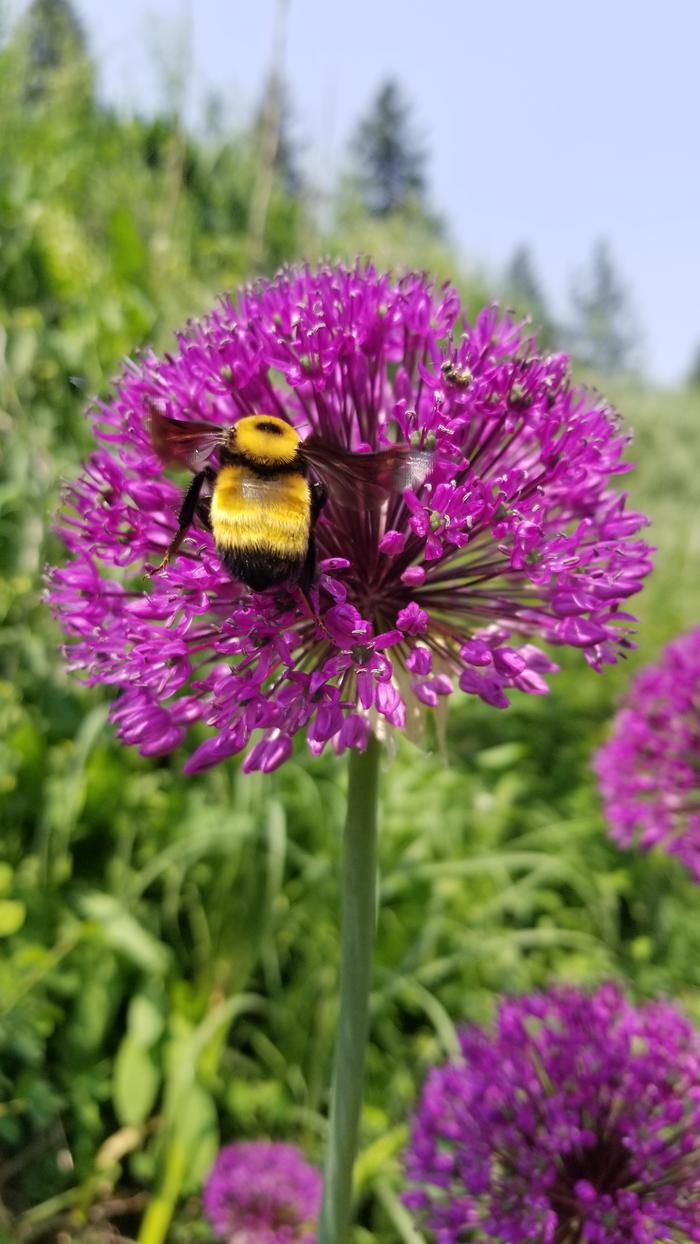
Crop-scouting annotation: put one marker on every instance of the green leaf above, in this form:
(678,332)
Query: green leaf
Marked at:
(503,756)
(135,1085)
(21,351)
(124,934)
(378,1155)
(145,1021)
(129,255)
(195,1128)
(12,916)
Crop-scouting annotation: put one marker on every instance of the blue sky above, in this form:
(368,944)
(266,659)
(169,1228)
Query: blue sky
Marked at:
(553,122)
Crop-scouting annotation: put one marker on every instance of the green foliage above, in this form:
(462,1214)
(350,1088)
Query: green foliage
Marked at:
(167,946)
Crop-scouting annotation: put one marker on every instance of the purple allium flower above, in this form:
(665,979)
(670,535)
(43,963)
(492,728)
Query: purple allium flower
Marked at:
(262,1192)
(579,1120)
(649,771)
(515,535)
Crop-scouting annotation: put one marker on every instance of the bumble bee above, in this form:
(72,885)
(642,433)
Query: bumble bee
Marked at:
(262,501)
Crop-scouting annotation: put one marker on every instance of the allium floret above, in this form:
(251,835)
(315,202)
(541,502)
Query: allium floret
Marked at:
(577,1120)
(516,534)
(649,771)
(262,1192)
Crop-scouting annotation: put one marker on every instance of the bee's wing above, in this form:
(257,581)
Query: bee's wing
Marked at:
(365,481)
(180,442)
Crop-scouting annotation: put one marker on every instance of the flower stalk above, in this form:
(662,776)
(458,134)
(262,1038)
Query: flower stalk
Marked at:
(356,943)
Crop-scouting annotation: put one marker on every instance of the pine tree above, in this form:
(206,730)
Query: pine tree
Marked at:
(389,160)
(694,373)
(55,48)
(604,333)
(525,294)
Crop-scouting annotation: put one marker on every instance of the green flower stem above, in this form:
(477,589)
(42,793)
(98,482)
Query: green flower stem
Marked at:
(160,1209)
(356,942)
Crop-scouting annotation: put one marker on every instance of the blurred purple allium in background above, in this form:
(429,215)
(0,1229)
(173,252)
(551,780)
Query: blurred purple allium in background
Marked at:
(516,534)
(649,771)
(578,1120)
(262,1192)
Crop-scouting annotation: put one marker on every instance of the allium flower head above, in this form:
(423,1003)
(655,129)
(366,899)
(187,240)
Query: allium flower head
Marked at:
(578,1120)
(649,771)
(262,1192)
(515,535)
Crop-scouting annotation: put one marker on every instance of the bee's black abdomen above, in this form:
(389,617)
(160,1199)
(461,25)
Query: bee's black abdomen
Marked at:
(262,570)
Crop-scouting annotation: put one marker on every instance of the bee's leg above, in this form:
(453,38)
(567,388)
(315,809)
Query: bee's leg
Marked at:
(188,510)
(204,512)
(319,496)
(308,571)
(309,609)
(306,581)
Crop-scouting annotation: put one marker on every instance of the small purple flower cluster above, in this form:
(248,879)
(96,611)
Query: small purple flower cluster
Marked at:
(262,1192)
(516,534)
(579,1120)
(649,771)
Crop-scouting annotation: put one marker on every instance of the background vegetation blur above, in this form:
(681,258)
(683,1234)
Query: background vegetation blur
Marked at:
(167,945)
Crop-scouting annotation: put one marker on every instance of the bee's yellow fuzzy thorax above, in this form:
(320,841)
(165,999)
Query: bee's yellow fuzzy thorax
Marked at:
(266,440)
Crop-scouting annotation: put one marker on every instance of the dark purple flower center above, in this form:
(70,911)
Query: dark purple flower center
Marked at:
(604,1167)
(266,1210)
